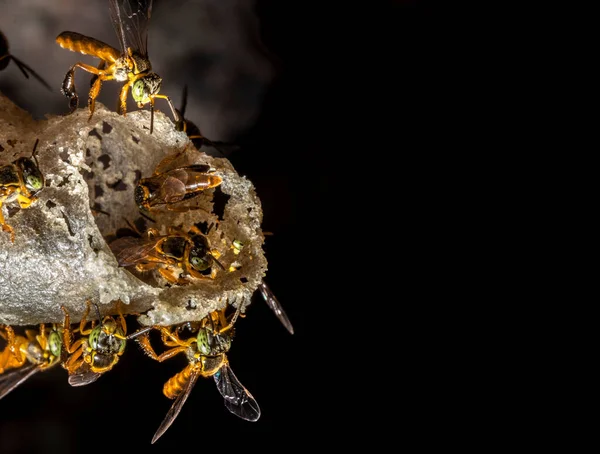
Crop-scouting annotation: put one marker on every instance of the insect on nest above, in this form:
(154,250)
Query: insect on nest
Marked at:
(130,65)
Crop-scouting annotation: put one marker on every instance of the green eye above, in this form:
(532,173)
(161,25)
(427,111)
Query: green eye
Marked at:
(93,339)
(34,182)
(138,92)
(55,343)
(203,344)
(199,263)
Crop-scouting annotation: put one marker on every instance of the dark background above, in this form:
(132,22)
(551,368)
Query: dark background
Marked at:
(306,91)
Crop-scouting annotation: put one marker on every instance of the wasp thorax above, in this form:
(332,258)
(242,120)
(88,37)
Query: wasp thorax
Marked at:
(121,71)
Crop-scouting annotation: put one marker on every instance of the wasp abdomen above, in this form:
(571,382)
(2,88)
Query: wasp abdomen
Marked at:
(77,42)
(177,383)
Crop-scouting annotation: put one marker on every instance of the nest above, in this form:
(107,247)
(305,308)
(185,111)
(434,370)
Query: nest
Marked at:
(61,253)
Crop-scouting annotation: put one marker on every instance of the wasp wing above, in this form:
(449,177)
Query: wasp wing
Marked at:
(130,18)
(130,250)
(275,306)
(12,379)
(83,376)
(176,407)
(238,399)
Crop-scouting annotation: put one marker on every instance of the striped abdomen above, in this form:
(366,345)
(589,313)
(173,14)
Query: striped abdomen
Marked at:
(89,46)
(176,384)
(8,360)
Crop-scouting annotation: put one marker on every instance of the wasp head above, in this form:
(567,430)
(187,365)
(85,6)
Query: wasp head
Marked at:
(33,178)
(145,87)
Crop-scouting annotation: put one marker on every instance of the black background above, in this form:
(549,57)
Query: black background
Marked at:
(307,153)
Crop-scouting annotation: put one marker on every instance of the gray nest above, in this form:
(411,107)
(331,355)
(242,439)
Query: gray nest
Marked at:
(61,254)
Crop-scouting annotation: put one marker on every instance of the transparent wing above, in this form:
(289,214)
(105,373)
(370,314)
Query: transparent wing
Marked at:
(275,306)
(83,378)
(238,399)
(13,378)
(176,407)
(130,250)
(130,18)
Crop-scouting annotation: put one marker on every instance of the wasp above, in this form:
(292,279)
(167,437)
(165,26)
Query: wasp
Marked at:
(131,64)
(6,57)
(190,253)
(20,181)
(98,347)
(168,187)
(206,352)
(24,356)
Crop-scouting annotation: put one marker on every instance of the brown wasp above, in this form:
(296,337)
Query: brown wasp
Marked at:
(6,57)
(168,187)
(24,356)
(131,65)
(189,253)
(206,352)
(98,348)
(19,181)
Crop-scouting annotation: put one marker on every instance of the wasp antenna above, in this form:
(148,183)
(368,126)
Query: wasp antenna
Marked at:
(184,101)
(98,313)
(35,145)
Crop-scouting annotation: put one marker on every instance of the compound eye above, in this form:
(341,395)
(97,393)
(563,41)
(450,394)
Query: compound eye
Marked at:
(199,264)
(138,91)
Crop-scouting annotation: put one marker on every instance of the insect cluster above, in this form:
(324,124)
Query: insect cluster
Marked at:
(163,229)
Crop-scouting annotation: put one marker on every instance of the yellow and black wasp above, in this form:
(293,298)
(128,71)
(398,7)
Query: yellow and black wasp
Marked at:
(6,57)
(20,181)
(130,65)
(206,351)
(24,356)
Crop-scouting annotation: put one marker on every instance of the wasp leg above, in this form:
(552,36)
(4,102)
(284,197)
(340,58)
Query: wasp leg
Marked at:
(171,339)
(75,361)
(146,266)
(69,90)
(41,337)
(144,342)
(176,117)
(95,91)
(170,276)
(24,202)
(83,321)
(7,228)
(121,318)
(68,333)
(123,98)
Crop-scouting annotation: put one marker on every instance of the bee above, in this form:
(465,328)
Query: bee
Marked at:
(6,57)
(20,181)
(188,252)
(23,357)
(130,65)
(266,292)
(206,352)
(98,348)
(169,187)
